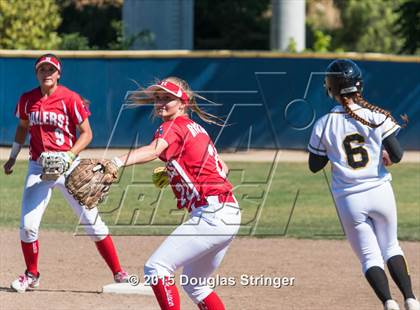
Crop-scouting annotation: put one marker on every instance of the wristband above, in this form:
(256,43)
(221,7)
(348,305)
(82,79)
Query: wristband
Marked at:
(118,162)
(71,155)
(15,150)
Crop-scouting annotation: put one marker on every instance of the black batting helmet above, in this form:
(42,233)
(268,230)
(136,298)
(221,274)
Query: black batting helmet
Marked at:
(343,76)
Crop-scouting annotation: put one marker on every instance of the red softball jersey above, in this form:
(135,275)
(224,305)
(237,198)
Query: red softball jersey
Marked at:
(52,119)
(193,164)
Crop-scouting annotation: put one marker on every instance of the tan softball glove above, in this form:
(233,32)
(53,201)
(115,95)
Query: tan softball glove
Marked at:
(90,181)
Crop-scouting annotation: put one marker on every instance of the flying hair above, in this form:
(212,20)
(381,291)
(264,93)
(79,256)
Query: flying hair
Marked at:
(141,97)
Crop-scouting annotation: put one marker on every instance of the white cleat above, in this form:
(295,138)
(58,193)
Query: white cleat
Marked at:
(411,304)
(121,277)
(391,304)
(25,282)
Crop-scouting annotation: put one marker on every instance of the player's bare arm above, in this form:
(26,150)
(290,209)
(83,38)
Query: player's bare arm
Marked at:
(20,137)
(21,131)
(143,154)
(84,139)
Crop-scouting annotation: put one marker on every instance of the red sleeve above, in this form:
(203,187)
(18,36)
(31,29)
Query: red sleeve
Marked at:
(78,111)
(172,134)
(20,110)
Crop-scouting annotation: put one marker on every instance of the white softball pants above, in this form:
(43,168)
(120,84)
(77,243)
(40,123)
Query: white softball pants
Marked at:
(369,219)
(198,245)
(37,194)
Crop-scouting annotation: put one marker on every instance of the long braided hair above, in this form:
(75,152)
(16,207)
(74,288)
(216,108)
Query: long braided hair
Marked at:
(358,99)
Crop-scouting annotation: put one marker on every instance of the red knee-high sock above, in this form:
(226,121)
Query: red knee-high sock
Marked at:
(211,302)
(107,250)
(167,295)
(30,253)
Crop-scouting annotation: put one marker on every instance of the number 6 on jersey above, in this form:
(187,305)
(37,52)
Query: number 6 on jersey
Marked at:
(357,157)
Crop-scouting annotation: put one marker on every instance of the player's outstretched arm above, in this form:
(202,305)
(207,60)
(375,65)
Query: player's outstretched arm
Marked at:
(84,139)
(317,162)
(20,137)
(143,154)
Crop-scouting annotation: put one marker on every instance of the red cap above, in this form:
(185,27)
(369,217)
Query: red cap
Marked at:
(48,59)
(171,88)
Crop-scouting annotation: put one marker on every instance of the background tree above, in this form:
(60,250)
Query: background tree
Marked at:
(384,26)
(74,41)
(27,24)
(322,18)
(233,24)
(89,21)
(367,26)
(408,26)
(124,42)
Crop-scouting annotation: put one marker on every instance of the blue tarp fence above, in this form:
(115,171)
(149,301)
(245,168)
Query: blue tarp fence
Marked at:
(267,100)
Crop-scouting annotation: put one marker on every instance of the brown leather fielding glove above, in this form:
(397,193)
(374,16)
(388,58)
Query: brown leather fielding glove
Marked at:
(90,181)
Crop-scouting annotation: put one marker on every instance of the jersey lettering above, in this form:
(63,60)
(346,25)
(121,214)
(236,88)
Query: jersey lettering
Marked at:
(53,120)
(60,122)
(47,118)
(195,129)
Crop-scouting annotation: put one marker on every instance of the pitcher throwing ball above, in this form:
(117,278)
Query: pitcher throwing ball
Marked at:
(51,114)
(198,179)
(360,139)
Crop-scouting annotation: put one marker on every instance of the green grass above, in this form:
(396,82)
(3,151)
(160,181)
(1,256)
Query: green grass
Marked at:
(267,196)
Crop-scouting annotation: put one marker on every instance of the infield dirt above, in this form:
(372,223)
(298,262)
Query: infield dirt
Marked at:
(327,274)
